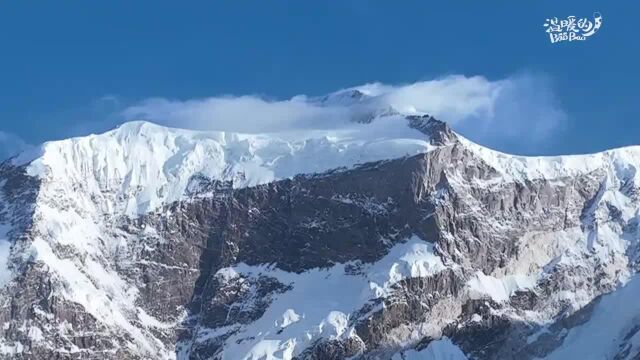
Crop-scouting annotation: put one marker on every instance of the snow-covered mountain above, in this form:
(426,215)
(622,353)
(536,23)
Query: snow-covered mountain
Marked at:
(391,237)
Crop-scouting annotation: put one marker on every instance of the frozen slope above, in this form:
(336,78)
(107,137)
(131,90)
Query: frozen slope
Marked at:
(140,166)
(620,163)
(612,329)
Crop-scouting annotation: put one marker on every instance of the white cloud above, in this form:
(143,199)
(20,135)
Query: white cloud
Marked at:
(453,98)
(512,113)
(10,145)
(524,113)
(240,114)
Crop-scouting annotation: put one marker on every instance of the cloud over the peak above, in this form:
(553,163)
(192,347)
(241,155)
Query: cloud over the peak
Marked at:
(514,113)
(249,114)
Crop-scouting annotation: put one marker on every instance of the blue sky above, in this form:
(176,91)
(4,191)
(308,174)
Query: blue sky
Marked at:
(71,70)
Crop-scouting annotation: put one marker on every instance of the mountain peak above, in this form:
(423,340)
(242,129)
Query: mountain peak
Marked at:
(145,165)
(438,131)
(122,229)
(138,126)
(146,129)
(343,97)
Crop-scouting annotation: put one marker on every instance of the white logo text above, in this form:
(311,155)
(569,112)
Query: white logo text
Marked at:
(572,28)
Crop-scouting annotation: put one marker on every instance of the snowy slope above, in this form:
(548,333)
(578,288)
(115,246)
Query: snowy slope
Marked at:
(442,349)
(619,163)
(613,328)
(313,309)
(140,166)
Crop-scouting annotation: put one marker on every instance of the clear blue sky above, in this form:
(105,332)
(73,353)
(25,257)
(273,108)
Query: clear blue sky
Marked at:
(57,62)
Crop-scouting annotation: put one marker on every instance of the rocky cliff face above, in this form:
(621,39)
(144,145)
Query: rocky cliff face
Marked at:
(437,248)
